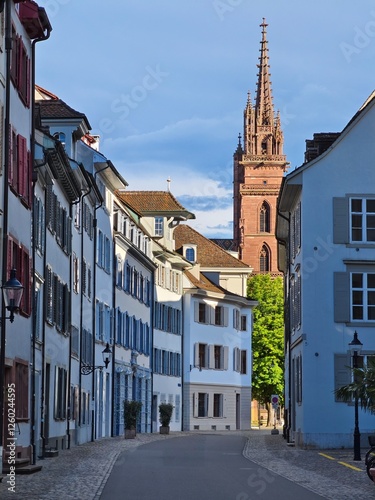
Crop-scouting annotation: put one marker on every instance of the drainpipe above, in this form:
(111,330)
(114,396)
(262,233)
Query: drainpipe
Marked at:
(95,224)
(34,178)
(81,308)
(114,271)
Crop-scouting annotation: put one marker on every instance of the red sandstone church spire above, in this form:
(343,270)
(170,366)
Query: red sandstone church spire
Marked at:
(258,172)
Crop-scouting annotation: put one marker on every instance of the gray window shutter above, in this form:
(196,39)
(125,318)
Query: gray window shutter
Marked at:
(196,311)
(225,356)
(341,297)
(226,314)
(340,220)
(342,371)
(196,354)
(211,356)
(195,404)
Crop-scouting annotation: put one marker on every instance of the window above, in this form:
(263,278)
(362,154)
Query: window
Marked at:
(218,405)
(22,391)
(19,259)
(218,357)
(243,323)
(202,312)
(60,393)
(362,219)
(363,296)
(20,68)
(236,319)
(158,226)
(264,218)
(243,369)
(190,254)
(219,316)
(75,341)
(201,356)
(19,173)
(264,259)
(240,360)
(202,404)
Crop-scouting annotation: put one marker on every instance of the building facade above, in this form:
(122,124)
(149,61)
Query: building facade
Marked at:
(326,230)
(217,336)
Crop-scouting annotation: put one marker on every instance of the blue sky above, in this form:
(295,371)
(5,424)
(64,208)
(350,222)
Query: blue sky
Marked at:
(164,83)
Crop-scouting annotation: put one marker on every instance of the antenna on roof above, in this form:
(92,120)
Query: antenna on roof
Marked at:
(169,180)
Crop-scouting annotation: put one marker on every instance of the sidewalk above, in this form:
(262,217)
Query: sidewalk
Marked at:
(331,473)
(81,473)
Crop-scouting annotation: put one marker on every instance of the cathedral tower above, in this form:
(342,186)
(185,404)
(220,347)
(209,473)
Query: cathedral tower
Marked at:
(259,166)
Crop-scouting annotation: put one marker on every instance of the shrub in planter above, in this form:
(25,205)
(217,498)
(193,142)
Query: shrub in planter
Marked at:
(131,413)
(165,415)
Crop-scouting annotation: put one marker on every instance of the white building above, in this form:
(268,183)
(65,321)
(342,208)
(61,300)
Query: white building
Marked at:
(326,230)
(216,336)
(159,213)
(134,282)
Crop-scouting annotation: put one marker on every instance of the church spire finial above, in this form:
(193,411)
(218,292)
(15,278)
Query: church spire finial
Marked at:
(262,128)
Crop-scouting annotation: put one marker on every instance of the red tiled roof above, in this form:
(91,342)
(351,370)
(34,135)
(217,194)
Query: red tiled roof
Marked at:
(57,108)
(208,253)
(154,202)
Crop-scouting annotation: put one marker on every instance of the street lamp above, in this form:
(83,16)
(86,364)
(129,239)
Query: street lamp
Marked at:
(107,358)
(12,293)
(355,347)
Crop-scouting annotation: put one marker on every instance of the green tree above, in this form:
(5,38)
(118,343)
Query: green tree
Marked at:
(268,338)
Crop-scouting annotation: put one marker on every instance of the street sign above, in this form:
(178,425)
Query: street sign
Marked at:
(275,401)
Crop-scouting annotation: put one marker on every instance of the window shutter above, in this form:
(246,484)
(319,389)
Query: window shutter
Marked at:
(195,404)
(340,220)
(211,356)
(225,316)
(196,354)
(196,311)
(209,403)
(21,150)
(342,371)
(211,315)
(341,298)
(225,357)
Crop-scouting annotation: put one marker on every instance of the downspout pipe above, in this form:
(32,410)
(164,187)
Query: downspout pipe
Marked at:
(34,179)
(95,225)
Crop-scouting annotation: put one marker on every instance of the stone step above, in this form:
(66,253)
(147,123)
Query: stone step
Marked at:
(27,469)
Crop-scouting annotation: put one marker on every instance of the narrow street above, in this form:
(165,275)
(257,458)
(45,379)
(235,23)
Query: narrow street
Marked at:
(205,467)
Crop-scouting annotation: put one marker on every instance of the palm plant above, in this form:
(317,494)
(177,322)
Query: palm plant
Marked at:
(363,387)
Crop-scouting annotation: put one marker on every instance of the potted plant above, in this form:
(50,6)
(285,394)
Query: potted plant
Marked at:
(131,413)
(165,415)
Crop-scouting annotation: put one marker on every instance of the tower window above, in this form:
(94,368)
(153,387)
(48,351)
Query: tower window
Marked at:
(264,218)
(264,260)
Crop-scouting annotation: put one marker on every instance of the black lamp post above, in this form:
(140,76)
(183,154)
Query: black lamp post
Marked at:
(107,358)
(355,348)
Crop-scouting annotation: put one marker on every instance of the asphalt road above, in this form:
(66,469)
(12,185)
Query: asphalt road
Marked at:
(201,467)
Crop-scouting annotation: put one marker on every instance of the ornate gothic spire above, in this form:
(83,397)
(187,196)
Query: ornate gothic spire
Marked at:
(262,128)
(264,104)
